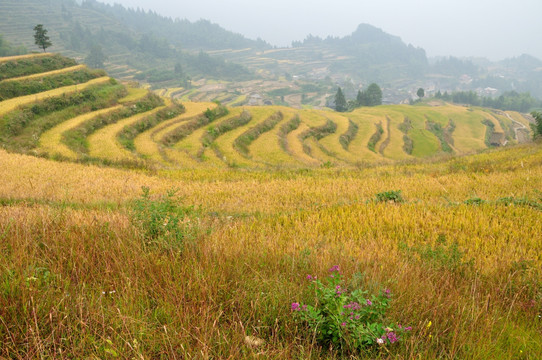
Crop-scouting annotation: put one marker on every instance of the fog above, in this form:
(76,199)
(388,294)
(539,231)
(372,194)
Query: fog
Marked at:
(495,29)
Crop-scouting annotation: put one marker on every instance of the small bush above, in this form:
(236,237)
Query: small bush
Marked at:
(163,222)
(390,196)
(441,255)
(352,321)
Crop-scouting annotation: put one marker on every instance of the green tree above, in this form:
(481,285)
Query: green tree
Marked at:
(40,37)
(340,101)
(362,99)
(374,95)
(537,126)
(96,57)
(420,93)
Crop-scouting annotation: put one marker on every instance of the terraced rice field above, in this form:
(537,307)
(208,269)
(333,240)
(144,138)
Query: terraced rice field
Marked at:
(104,144)
(51,140)
(11,104)
(48,73)
(321,138)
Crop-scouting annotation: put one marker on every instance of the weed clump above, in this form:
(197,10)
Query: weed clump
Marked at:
(164,222)
(390,196)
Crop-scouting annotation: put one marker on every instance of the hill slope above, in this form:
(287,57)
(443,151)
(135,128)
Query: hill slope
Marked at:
(74,29)
(46,92)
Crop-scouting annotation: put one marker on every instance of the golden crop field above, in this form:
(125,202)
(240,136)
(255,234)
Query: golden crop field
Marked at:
(104,144)
(51,140)
(193,256)
(21,57)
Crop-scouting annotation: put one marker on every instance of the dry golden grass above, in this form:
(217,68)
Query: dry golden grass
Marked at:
(20,57)
(81,277)
(67,228)
(11,104)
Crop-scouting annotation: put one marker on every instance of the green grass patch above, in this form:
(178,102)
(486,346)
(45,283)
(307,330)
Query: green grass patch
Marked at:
(13,89)
(34,65)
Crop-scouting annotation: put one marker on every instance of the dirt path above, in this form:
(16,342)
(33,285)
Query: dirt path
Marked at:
(521,131)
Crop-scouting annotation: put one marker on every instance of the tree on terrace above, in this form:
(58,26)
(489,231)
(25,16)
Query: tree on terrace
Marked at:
(40,37)
(340,101)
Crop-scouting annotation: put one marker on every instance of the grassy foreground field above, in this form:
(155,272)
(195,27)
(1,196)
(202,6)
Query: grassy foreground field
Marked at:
(205,253)
(80,278)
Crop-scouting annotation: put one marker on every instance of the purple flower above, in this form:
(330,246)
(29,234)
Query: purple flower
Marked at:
(310,278)
(387,292)
(392,337)
(343,324)
(408,328)
(357,317)
(334,268)
(295,307)
(304,308)
(369,302)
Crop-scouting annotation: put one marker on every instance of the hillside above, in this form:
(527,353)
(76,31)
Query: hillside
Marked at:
(135,226)
(43,93)
(75,28)
(201,61)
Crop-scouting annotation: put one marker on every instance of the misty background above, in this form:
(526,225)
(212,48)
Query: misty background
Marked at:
(495,29)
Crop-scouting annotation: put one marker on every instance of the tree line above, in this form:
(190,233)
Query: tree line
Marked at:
(372,96)
(510,100)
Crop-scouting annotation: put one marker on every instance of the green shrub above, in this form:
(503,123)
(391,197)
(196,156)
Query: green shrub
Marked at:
(390,196)
(163,222)
(441,255)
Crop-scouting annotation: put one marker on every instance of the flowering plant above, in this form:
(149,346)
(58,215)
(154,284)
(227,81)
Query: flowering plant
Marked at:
(351,320)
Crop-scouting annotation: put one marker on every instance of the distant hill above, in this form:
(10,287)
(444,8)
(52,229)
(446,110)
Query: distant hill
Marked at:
(370,54)
(75,28)
(197,35)
(202,61)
